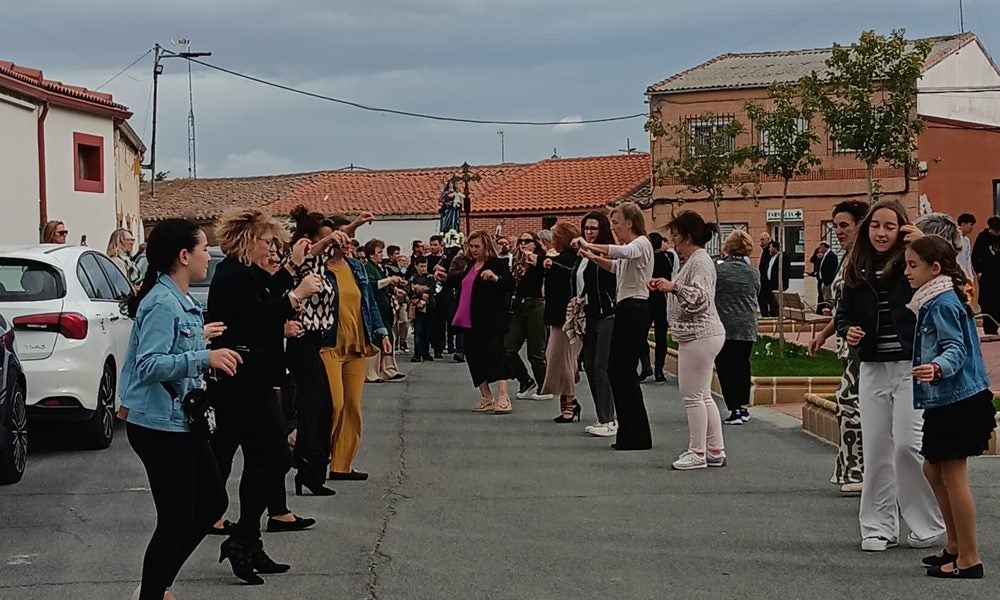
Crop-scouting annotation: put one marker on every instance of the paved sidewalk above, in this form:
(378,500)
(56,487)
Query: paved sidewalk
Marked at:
(463,505)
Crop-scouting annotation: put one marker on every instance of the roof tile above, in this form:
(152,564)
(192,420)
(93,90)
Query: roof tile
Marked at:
(34,77)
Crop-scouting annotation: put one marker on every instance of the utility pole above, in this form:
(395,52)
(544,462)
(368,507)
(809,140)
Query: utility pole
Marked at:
(192,143)
(160,53)
(500,133)
(961,16)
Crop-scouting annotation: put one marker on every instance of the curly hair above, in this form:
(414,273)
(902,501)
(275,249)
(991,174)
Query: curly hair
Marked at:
(739,243)
(239,230)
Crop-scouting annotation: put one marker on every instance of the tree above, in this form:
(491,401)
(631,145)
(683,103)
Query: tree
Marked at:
(160,176)
(786,141)
(868,98)
(707,158)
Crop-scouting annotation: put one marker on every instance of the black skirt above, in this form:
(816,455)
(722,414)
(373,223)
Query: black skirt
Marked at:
(960,429)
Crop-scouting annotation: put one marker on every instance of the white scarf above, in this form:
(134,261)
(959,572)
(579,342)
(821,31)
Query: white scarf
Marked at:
(930,290)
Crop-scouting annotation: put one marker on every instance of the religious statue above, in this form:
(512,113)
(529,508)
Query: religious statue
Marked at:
(450,206)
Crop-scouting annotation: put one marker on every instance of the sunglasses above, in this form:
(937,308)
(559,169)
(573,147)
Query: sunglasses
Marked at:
(527,241)
(62,233)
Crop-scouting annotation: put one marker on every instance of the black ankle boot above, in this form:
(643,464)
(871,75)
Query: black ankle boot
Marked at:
(240,557)
(263,564)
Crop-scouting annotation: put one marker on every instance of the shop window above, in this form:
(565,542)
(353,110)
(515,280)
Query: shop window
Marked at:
(88,163)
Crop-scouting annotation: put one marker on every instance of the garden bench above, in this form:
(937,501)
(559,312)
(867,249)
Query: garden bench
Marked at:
(797,309)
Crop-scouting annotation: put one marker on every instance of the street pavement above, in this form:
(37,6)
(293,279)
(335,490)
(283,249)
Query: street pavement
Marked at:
(466,505)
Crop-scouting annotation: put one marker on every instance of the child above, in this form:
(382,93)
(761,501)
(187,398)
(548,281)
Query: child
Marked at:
(953,389)
(421,309)
(872,317)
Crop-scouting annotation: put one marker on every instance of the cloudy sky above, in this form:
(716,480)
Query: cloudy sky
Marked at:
(548,60)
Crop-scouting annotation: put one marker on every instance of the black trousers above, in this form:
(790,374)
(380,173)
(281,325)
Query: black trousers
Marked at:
(189,496)
(485,355)
(658,311)
(250,417)
(631,326)
(733,366)
(313,406)
(442,333)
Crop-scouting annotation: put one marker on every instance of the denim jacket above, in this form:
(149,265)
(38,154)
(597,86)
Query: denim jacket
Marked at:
(946,336)
(167,345)
(375,330)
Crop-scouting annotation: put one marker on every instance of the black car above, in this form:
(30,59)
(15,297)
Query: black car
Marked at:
(13,417)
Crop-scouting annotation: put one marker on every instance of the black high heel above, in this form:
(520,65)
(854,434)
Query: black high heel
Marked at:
(577,410)
(316,489)
(262,563)
(240,560)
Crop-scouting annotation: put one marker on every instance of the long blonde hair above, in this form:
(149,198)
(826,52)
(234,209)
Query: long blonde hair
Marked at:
(239,230)
(116,243)
(49,232)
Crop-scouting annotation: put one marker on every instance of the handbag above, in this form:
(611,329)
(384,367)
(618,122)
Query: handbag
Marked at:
(198,412)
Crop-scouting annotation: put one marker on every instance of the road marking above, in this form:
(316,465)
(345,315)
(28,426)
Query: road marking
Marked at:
(20,559)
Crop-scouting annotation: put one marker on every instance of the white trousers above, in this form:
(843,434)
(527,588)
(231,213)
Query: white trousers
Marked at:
(894,478)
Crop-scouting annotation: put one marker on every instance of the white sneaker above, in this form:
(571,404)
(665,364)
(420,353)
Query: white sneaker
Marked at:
(602,430)
(877,544)
(541,396)
(689,461)
(915,542)
(851,488)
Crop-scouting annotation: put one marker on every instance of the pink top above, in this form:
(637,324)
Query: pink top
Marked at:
(463,314)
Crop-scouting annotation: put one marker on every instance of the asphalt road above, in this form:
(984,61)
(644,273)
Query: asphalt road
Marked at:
(464,505)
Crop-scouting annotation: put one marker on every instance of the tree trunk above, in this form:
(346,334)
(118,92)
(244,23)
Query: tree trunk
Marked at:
(715,206)
(781,273)
(870,172)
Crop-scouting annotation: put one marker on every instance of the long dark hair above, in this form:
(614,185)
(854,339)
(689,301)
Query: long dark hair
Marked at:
(604,235)
(935,249)
(861,260)
(163,245)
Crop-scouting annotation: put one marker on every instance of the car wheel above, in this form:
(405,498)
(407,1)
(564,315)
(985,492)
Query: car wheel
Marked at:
(14,458)
(100,429)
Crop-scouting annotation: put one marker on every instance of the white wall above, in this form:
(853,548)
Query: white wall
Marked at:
(85,213)
(18,171)
(399,232)
(967,67)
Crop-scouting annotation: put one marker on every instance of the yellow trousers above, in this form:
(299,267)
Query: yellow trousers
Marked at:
(346,375)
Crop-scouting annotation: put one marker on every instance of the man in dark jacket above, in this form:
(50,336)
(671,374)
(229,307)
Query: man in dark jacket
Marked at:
(663,267)
(986,263)
(826,267)
(770,283)
(765,257)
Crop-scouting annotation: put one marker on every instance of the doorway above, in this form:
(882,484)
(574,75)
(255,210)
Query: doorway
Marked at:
(793,241)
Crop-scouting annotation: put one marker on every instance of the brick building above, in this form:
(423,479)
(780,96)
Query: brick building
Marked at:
(510,198)
(959,150)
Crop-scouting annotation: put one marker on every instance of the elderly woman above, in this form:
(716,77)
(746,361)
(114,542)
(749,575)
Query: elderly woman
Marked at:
(700,335)
(631,260)
(737,286)
(120,247)
(562,351)
(254,306)
(484,285)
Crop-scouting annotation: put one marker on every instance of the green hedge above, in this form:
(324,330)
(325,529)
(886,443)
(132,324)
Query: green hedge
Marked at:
(796,362)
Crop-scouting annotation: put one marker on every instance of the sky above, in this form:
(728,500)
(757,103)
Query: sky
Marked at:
(538,60)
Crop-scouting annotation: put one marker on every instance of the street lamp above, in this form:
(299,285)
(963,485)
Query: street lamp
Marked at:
(159,53)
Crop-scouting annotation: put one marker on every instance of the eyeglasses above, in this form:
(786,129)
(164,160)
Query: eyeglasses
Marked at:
(591,228)
(272,242)
(527,241)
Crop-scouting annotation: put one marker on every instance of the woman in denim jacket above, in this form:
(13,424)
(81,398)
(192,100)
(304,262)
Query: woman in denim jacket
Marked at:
(166,359)
(953,389)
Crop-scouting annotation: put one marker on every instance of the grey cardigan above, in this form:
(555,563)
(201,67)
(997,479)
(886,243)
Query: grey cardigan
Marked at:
(736,298)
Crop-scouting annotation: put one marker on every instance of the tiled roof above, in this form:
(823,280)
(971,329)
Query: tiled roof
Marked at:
(209,198)
(550,185)
(34,79)
(562,184)
(389,192)
(761,69)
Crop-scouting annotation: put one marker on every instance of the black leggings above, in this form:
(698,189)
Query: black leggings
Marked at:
(188,494)
(631,328)
(250,417)
(312,405)
(733,366)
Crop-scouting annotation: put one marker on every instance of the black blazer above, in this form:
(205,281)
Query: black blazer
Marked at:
(770,285)
(252,304)
(559,288)
(828,268)
(490,299)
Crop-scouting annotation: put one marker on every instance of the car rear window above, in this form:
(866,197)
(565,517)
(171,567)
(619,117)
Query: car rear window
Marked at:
(23,280)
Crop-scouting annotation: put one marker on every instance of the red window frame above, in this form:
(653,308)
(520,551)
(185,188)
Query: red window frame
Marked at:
(79,183)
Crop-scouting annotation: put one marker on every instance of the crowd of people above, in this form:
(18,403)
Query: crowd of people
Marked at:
(299,321)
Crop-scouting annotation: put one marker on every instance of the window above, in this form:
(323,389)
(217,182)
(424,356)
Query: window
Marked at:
(549,222)
(119,283)
(88,163)
(93,279)
(765,144)
(29,281)
(996,196)
(701,129)
(714,246)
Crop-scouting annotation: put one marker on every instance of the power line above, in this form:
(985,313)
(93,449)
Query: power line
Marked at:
(122,72)
(404,113)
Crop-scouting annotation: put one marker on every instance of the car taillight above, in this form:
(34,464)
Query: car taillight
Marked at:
(71,325)
(8,341)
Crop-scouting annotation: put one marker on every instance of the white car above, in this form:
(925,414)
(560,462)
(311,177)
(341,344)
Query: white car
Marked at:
(64,304)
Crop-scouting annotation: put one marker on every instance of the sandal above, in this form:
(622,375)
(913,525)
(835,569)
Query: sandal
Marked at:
(485,405)
(502,406)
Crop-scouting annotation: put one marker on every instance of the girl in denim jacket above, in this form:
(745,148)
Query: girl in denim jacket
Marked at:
(952,388)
